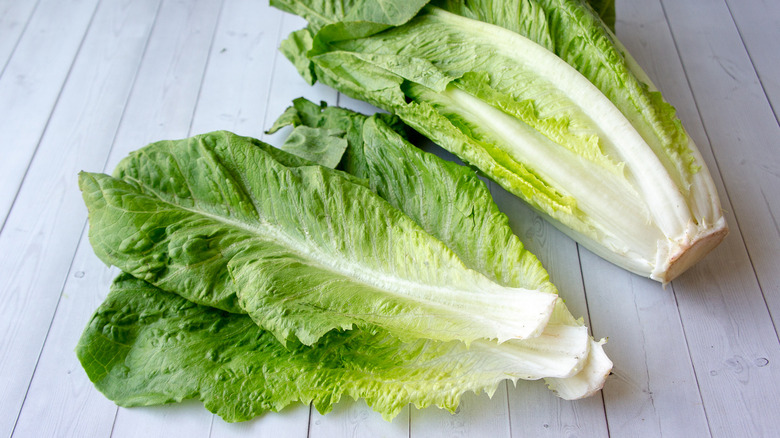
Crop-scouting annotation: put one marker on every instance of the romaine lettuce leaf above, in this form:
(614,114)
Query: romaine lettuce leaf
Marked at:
(145,346)
(325,148)
(466,220)
(302,250)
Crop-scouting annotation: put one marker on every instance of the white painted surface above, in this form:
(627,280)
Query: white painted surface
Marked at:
(83,82)
(38,66)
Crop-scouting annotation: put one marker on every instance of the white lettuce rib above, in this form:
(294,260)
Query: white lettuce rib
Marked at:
(561,351)
(599,194)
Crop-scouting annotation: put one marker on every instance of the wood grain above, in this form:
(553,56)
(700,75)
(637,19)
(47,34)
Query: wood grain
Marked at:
(741,128)
(31,84)
(356,419)
(719,301)
(84,82)
(758,23)
(14,16)
(292,422)
(237,82)
(61,401)
(44,228)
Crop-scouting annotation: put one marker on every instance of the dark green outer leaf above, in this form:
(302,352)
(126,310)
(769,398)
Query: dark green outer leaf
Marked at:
(606,11)
(145,346)
(370,16)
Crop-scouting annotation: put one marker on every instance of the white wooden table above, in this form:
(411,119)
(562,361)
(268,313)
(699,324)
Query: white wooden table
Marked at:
(83,82)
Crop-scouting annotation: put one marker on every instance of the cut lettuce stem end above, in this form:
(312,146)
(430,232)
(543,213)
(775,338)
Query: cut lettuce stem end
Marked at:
(691,252)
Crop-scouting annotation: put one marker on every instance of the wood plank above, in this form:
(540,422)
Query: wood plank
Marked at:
(14,16)
(43,229)
(185,419)
(727,327)
(355,418)
(177,49)
(476,415)
(237,83)
(165,95)
(536,412)
(61,401)
(758,22)
(653,389)
(745,137)
(292,422)
(741,127)
(31,83)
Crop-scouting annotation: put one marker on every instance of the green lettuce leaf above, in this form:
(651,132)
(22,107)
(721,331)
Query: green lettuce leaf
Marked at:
(326,148)
(302,250)
(573,32)
(466,219)
(606,11)
(320,13)
(145,346)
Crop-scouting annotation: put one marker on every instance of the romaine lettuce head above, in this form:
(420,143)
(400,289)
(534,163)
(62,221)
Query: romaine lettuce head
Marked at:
(541,97)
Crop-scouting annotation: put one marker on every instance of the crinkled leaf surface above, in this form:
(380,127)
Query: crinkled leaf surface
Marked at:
(570,30)
(324,12)
(303,250)
(467,220)
(145,346)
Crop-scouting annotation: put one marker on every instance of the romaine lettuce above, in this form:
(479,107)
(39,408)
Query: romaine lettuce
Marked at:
(145,346)
(302,250)
(541,97)
(466,220)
